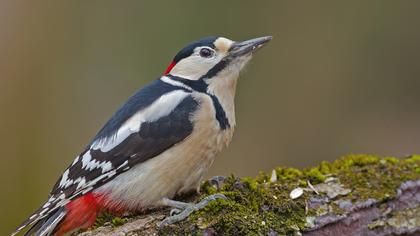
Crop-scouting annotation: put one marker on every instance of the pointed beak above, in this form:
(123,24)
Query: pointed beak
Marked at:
(248,46)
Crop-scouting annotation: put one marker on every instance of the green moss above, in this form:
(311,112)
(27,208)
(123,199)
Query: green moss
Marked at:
(413,159)
(117,221)
(315,175)
(106,217)
(391,160)
(287,173)
(208,188)
(103,218)
(372,177)
(325,167)
(255,206)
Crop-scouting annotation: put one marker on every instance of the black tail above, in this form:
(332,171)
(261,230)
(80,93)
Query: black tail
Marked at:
(44,226)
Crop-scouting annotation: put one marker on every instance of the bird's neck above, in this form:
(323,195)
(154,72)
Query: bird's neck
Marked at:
(224,89)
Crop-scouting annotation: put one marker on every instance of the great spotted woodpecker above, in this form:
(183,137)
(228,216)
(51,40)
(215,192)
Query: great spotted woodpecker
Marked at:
(160,143)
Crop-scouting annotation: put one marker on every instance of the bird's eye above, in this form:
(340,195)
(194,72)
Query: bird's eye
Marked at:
(206,52)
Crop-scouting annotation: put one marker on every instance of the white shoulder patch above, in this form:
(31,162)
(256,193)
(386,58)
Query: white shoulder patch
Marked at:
(159,108)
(175,83)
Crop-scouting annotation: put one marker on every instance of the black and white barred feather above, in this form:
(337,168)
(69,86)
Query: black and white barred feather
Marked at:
(154,119)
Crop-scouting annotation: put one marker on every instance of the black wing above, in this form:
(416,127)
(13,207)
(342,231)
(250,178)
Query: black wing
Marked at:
(152,139)
(95,167)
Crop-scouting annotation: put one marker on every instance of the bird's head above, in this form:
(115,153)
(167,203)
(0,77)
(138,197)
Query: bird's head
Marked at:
(215,60)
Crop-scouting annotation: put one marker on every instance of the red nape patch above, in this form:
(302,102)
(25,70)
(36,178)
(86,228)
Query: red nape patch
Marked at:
(169,68)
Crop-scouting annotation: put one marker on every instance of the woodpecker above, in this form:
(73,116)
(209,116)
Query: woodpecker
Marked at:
(160,143)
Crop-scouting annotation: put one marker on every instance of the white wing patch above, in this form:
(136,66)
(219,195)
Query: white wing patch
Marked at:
(82,182)
(75,161)
(65,181)
(89,164)
(88,186)
(161,107)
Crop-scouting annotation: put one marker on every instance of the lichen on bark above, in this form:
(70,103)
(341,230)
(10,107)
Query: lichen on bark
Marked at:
(357,194)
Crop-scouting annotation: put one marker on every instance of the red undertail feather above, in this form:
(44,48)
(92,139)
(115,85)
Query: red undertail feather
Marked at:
(80,214)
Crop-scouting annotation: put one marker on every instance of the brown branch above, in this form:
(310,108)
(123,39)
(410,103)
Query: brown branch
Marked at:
(356,195)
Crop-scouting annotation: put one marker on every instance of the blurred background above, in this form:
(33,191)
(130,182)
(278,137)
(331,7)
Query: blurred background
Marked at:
(338,78)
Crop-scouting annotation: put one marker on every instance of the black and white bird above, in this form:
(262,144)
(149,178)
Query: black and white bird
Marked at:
(160,143)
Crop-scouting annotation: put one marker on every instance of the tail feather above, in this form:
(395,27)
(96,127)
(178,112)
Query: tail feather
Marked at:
(76,214)
(47,225)
(49,208)
(33,220)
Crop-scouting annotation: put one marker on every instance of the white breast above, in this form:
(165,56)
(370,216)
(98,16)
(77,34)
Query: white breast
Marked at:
(179,169)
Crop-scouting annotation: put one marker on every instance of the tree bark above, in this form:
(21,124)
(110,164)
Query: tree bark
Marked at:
(355,195)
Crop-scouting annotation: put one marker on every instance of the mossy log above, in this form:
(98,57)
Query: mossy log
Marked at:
(355,195)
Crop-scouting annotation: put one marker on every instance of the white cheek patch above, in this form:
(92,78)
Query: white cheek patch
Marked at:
(161,107)
(192,67)
(195,66)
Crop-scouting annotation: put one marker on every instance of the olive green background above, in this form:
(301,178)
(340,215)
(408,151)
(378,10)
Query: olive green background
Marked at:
(339,77)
